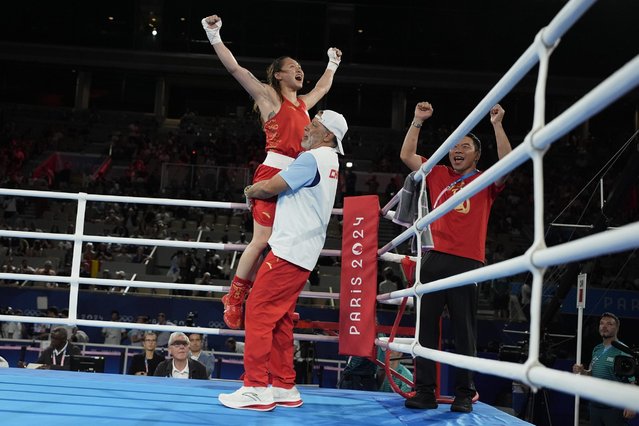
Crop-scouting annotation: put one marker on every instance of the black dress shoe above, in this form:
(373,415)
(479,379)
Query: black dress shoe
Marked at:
(422,400)
(462,404)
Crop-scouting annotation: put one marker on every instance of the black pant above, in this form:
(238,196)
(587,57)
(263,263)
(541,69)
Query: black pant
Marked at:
(462,307)
(601,415)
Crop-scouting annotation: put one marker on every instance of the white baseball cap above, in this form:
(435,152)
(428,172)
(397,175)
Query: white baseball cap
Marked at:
(336,124)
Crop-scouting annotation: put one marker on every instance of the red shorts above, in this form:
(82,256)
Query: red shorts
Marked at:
(264,210)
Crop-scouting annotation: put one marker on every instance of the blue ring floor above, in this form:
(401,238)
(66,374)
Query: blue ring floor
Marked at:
(32,397)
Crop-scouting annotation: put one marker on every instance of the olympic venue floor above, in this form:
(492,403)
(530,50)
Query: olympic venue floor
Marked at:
(33,397)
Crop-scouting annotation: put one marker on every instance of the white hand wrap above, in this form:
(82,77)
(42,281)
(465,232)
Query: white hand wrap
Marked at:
(213,33)
(249,201)
(333,59)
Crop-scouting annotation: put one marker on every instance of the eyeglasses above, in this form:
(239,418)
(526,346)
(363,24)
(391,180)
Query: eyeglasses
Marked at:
(150,340)
(180,343)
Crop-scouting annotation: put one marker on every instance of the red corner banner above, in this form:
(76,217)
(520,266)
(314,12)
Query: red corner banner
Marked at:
(358,283)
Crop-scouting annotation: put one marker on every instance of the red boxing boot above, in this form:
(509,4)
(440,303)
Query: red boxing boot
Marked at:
(234,302)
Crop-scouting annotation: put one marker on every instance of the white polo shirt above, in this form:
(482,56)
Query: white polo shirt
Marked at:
(304,210)
(180,374)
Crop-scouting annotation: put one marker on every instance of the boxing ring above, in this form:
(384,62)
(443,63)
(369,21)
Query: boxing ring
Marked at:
(57,397)
(64,397)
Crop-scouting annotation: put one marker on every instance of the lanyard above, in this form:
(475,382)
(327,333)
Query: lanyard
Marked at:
(56,353)
(452,185)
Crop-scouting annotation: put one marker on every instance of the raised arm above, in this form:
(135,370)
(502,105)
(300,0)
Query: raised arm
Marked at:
(325,82)
(503,144)
(408,154)
(263,95)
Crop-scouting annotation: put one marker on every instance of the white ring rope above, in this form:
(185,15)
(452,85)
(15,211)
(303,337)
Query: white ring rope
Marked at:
(613,241)
(622,81)
(138,241)
(74,280)
(538,256)
(152,327)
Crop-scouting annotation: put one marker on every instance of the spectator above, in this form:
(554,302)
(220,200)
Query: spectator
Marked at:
(174,268)
(79,336)
(56,356)
(234,346)
(25,268)
(136,336)
(196,353)
(163,336)
(390,283)
(47,269)
(205,280)
(180,366)
(113,335)
(119,275)
(139,256)
(11,329)
(145,363)
(41,330)
(103,252)
(88,255)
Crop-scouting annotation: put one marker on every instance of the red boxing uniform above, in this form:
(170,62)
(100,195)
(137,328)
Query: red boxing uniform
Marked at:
(462,231)
(284,133)
(285,130)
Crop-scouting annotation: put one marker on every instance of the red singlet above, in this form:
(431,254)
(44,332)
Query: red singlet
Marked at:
(284,133)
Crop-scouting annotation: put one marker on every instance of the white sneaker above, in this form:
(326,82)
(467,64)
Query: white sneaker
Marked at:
(249,398)
(290,398)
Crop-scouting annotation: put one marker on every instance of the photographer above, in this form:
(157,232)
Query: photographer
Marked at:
(602,366)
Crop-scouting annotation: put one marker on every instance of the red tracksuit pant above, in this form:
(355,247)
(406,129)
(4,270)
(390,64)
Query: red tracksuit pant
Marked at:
(269,323)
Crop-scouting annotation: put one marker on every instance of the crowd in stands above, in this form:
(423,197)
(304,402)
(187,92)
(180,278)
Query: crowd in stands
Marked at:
(60,342)
(106,335)
(141,147)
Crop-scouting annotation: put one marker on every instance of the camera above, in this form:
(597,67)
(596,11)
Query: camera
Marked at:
(190,318)
(8,311)
(518,353)
(625,365)
(514,353)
